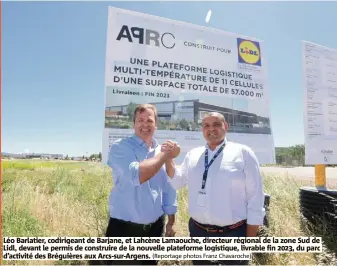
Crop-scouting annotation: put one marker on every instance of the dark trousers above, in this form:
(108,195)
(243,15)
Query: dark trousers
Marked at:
(196,231)
(119,228)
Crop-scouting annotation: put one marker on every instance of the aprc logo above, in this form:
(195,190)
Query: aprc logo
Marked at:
(146,36)
(249,52)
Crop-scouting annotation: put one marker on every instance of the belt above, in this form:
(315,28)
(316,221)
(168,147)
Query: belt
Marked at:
(140,226)
(219,229)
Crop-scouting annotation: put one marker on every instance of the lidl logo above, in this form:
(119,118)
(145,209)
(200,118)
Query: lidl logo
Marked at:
(249,52)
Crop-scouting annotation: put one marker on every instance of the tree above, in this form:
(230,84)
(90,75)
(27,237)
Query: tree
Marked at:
(297,151)
(290,155)
(96,156)
(183,124)
(131,109)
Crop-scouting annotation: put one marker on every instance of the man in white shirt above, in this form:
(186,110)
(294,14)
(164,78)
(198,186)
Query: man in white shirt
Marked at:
(225,189)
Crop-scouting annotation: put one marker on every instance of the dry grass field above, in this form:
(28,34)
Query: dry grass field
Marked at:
(45,198)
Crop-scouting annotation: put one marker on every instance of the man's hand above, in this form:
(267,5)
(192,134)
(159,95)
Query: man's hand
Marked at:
(171,147)
(252,230)
(169,230)
(172,150)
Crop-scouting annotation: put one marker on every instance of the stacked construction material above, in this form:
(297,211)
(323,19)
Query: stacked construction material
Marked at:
(319,207)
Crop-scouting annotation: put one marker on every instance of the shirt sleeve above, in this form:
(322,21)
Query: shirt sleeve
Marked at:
(254,189)
(180,177)
(169,197)
(124,164)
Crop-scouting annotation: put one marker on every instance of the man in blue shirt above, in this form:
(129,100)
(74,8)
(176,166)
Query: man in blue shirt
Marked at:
(142,193)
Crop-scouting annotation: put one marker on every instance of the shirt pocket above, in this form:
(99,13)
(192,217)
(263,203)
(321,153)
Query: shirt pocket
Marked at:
(233,173)
(232,168)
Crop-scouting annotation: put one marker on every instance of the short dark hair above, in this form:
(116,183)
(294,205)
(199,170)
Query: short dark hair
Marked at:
(143,107)
(219,115)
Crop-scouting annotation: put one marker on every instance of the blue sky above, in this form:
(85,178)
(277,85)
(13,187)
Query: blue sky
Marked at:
(53,60)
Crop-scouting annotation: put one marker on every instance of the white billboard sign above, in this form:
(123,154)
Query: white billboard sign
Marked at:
(320,103)
(185,71)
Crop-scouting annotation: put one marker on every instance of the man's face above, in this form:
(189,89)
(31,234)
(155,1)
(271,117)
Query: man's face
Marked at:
(145,124)
(213,129)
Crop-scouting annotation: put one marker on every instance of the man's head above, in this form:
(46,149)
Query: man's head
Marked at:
(214,128)
(144,121)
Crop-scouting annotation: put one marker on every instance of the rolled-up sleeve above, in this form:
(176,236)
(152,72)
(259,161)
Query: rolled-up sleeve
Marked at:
(254,189)
(180,178)
(169,198)
(124,164)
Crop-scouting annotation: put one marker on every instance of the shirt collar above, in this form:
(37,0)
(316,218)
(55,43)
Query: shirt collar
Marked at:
(217,147)
(142,142)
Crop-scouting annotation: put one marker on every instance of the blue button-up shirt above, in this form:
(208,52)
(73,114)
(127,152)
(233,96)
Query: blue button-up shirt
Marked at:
(129,200)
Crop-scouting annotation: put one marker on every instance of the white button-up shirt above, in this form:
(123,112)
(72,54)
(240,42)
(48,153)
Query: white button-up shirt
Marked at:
(234,189)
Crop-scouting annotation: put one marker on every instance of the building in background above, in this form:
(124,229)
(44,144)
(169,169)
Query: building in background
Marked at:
(33,156)
(192,113)
(44,156)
